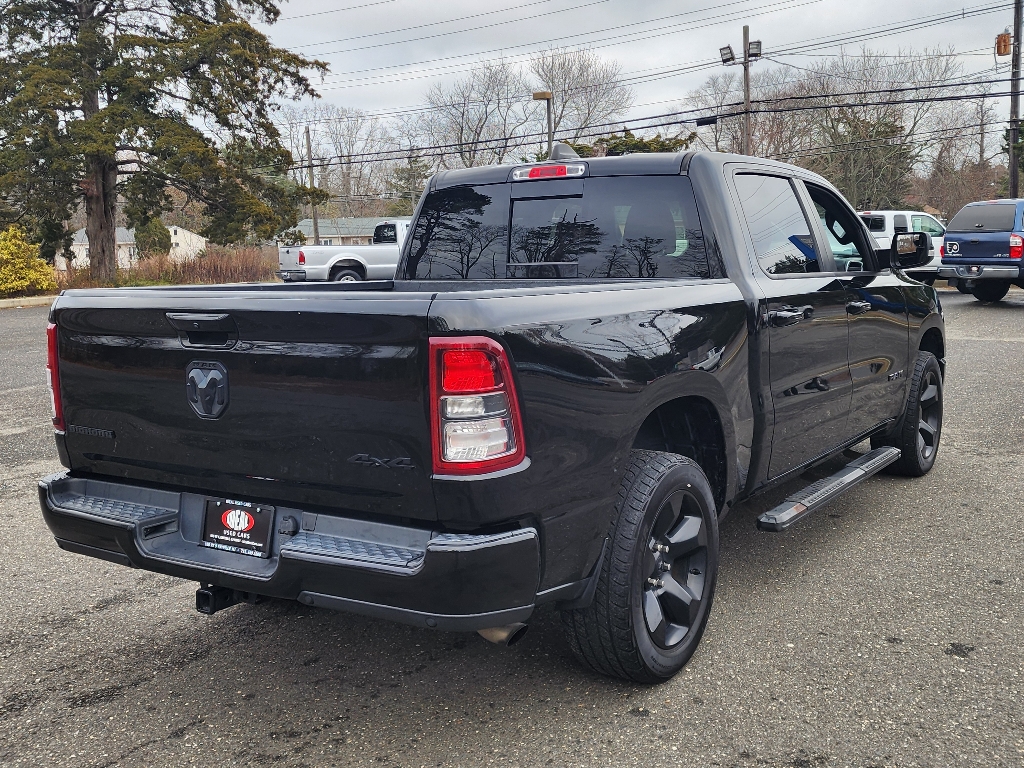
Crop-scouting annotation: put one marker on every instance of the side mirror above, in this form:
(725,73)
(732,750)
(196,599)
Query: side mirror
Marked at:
(910,250)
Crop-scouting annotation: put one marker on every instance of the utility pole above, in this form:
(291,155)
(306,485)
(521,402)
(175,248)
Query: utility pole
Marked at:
(312,185)
(1015,100)
(751,51)
(546,97)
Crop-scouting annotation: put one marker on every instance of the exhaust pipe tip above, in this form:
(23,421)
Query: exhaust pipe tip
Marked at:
(508,635)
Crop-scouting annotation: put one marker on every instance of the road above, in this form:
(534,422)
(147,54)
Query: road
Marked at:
(886,630)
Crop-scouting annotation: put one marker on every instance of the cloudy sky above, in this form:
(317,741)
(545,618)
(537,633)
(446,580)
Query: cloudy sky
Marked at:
(384,54)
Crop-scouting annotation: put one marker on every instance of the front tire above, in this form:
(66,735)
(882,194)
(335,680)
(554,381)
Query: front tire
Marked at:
(657,580)
(991,290)
(919,429)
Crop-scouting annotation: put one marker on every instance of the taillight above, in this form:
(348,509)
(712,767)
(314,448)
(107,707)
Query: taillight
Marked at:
(475,423)
(53,377)
(942,250)
(302,258)
(1016,246)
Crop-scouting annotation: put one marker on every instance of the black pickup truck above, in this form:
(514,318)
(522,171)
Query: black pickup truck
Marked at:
(581,366)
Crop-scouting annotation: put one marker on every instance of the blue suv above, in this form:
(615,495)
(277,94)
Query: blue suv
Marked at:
(983,249)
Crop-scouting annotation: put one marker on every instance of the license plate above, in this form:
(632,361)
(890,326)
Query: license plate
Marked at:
(238,526)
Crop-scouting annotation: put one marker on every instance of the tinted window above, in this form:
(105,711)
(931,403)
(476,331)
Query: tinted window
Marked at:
(620,227)
(461,233)
(385,233)
(874,223)
(778,227)
(997,217)
(626,226)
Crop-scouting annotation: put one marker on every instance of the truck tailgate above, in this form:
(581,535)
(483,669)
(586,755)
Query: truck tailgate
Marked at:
(312,397)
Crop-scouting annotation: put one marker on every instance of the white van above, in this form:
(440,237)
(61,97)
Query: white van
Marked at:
(884,224)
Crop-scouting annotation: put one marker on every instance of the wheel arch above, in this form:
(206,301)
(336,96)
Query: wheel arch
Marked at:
(697,425)
(347,261)
(932,339)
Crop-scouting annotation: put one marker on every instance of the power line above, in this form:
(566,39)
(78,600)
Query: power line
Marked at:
(441,150)
(334,10)
(462,18)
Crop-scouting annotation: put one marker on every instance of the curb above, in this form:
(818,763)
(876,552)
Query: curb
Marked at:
(27,301)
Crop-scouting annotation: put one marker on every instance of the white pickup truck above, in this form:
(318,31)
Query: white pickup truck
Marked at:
(346,263)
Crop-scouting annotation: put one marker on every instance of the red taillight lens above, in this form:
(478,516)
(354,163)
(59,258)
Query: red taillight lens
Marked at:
(475,423)
(302,258)
(469,370)
(942,250)
(547,171)
(1016,246)
(53,377)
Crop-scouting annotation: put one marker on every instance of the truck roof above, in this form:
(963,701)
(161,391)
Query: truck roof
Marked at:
(638,164)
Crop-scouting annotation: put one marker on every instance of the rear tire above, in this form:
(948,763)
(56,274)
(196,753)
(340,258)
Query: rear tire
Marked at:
(962,288)
(920,428)
(657,580)
(990,290)
(343,275)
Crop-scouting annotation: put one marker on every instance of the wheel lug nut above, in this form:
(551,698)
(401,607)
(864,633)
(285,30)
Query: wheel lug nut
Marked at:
(666,566)
(663,548)
(655,582)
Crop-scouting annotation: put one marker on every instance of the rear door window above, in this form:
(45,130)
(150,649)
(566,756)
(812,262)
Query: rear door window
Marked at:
(782,237)
(620,227)
(998,217)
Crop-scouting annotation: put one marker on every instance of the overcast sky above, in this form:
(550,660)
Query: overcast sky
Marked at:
(384,55)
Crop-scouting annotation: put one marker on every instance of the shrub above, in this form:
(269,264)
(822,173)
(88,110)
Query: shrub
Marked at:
(21,269)
(216,265)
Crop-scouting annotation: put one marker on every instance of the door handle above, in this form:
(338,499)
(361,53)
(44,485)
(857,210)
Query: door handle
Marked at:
(858,307)
(783,317)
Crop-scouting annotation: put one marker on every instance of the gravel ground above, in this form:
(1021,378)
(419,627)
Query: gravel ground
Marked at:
(884,631)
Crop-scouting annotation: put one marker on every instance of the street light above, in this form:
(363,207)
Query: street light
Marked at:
(546,96)
(751,51)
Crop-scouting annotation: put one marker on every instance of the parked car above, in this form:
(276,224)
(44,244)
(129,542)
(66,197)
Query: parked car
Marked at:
(884,224)
(346,263)
(983,249)
(581,366)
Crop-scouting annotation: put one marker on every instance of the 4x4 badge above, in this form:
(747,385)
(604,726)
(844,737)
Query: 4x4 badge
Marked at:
(206,385)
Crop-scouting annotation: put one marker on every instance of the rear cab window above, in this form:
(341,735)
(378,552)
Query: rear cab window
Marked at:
(874,223)
(990,217)
(608,227)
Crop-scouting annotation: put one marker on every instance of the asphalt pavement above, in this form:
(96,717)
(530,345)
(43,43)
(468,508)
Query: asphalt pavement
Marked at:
(886,630)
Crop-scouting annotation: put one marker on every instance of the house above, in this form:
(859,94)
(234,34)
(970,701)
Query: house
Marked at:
(344,231)
(184,244)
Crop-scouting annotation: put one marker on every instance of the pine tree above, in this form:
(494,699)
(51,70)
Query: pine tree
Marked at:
(118,100)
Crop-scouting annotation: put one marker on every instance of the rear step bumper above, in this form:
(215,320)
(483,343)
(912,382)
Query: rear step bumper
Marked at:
(461,582)
(818,494)
(979,272)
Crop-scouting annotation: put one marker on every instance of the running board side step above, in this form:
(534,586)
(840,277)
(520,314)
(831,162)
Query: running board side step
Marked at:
(818,494)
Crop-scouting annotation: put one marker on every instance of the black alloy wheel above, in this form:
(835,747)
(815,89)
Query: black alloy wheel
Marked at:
(676,563)
(656,580)
(929,416)
(918,432)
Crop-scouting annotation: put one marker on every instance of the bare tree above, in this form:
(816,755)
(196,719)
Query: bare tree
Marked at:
(482,115)
(587,89)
